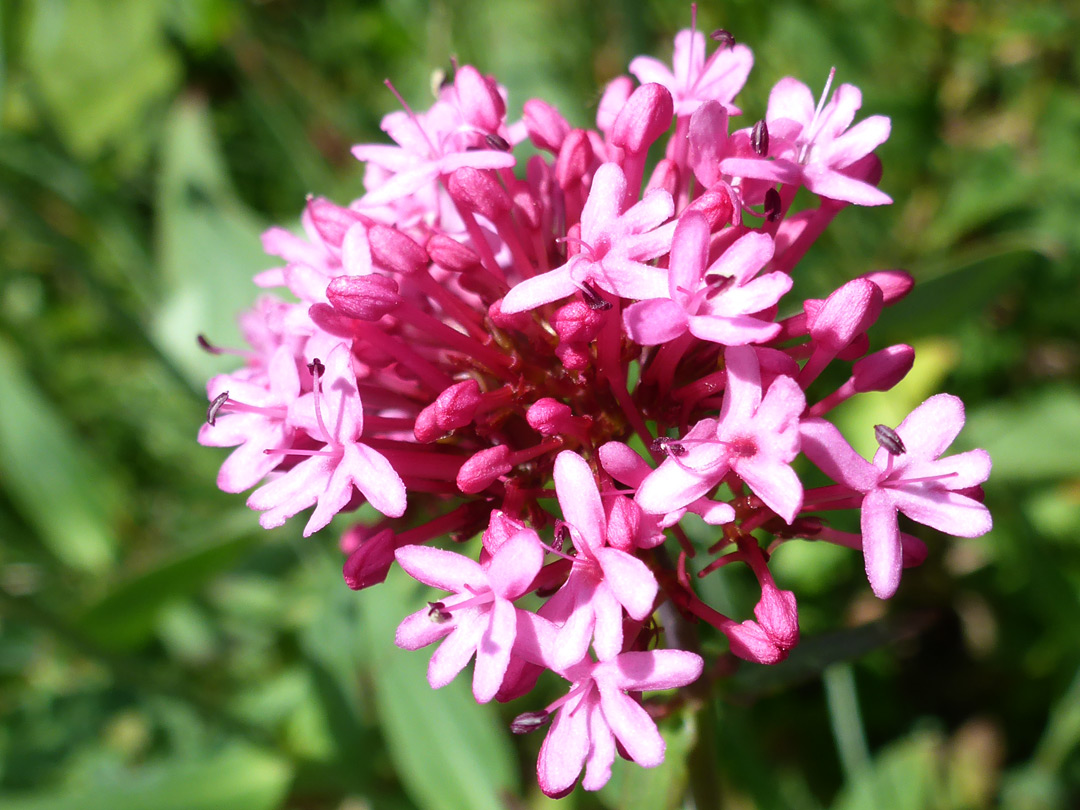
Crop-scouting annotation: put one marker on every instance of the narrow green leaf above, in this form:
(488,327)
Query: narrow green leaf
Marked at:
(208,244)
(237,778)
(127,614)
(449,752)
(53,481)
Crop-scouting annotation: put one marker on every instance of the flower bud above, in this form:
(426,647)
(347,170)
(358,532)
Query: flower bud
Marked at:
(644,117)
(749,642)
(574,159)
(456,406)
(895,284)
(883,369)
(370,562)
(576,322)
(624,522)
(612,102)
(450,254)
(366,298)
(546,127)
(479,190)
(479,99)
(481,470)
(778,616)
(848,312)
(396,252)
(715,205)
(665,176)
(331,221)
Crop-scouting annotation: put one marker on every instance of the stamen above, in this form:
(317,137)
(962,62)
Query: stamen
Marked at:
(412,115)
(773,205)
(671,447)
(811,131)
(215,406)
(593,298)
(317,370)
(438,613)
(759,138)
(723,37)
(890,440)
(497,142)
(529,721)
(562,534)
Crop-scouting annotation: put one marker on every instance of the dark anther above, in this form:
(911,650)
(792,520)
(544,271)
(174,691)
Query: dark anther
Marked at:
(437,612)
(717,284)
(529,721)
(206,345)
(662,444)
(497,142)
(723,37)
(215,406)
(562,534)
(759,138)
(316,368)
(595,301)
(890,440)
(772,205)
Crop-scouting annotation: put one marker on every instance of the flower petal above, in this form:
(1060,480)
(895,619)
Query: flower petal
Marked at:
(493,651)
(630,580)
(579,498)
(632,726)
(882,550)
(441,569)
(654,321)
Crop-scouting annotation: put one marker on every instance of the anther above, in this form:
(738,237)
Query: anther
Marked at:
(562,534)
(723,37)
(772,205)
(529,721)
(595,301)
(670,447)
(316,368)
(438,613)
(215,406)
(207,346)
(497,142)
(890,440)
(759,138)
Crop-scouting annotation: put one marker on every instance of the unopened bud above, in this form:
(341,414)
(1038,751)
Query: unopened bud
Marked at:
(480,191)
(365,298)
(396,252)
(546,127)
(644,117)
(450,254)
(481,470)
(883,369)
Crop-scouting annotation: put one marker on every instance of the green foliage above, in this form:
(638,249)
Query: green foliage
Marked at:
(158,650)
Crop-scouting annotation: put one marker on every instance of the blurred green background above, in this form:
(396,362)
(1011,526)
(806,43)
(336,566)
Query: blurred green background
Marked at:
(158,650)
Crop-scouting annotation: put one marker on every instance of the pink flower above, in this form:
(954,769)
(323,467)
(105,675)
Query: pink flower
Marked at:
(813,146)
(327,477)
(692,80)
(915,481)
(597,710)
(717,303)
(756,437)
(614,246)
(603,580)
(480,619)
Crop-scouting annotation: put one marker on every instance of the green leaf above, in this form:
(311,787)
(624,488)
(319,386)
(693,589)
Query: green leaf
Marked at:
(1031,440)
(100,68)
(449,752)
(661,788)
(237,778)
(905,776)
(208,245)
(49,476)
(127,614)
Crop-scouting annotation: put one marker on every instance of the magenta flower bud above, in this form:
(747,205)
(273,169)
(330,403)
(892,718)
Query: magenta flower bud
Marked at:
(370,563)
(500,528)
(573,356)
(665,176)
(645,117)
(479,191)
(895,284)
(396,252)
(547,129)
(576,322)
(481,470)
(514,320)
(751,643)
(479,99)
(450,254)
(882,370)
(859,346)
(847,313)
(366,298)
(331,321)
(574,159)
(715,206)
(331,221)
(456,406)
(527,208)
(426,428)
(548,416)
(778,616)
(612,102)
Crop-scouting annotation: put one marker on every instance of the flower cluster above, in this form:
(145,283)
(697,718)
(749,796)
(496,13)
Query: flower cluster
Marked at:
(477,338)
